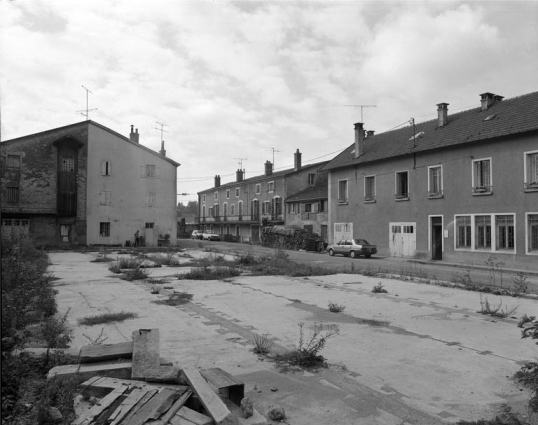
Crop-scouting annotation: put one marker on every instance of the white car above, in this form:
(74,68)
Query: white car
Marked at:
(196,234)
(210,236)
(352,248)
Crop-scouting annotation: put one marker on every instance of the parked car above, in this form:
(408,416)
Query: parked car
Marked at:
(210,236)
(196,234)
(353,248)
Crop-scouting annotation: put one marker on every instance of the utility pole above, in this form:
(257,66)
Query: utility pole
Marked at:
(362,107)
(86,112)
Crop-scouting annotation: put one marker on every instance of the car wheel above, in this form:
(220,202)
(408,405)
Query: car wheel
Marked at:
(368,255)
(331,252)
(353,254)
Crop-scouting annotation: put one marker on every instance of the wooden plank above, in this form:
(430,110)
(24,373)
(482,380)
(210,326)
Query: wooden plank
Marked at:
(101,406)
(155,407)
(180,402)
(104,352)
(145,352)
(145,399)
(101,386)
(85,371)
(163,374)
(127,405)
(212,403)
(193,416)
(226,385)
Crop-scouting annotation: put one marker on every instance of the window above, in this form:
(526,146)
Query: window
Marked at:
(463,229)
(435,181)
(150,225)
(105,197)
(266,207)
(505,231)
(68,164)
(482,232)
(532,233)
(402,185)
(13,161)
(149,170)
(321,206)
(104,229)
(342,191)
(203,197)
(232,209)
(531,170)
(150,199)
(215,210)
(216,196)
(307,208)
(12,195)
(237,192)
(203,210)
(258,189)
(271,187)
(227,193)
(311,179)
(369,188)
(106,169)
(240,208)
(225,210)
(482,176)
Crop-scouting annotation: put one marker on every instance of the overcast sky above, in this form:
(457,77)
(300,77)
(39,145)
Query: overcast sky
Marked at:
(239,79)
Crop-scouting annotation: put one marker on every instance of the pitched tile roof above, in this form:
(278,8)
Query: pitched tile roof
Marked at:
(508,117)
(311,193)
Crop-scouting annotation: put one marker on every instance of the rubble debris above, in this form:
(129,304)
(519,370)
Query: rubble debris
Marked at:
(247,408)
(276,413)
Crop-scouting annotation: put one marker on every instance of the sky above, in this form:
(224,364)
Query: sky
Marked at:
(237,83)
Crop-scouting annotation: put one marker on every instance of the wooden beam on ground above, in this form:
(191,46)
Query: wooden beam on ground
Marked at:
(103,352)
(187,416)
(141,403)
(83,372)
(146,357)
(211,402)
(103,404)
(180,402)
(127,405)
(155,407)
(226,385)
(101,386)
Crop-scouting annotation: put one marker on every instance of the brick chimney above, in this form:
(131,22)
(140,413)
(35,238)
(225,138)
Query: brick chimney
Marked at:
(297,161)
(239,175)
(488,99)
(217,181)
(268,168)
(162,151)
(359,139)
(442,114)
(370,133)
(134,135)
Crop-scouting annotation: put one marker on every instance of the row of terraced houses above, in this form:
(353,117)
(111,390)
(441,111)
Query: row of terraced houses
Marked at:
(462,187)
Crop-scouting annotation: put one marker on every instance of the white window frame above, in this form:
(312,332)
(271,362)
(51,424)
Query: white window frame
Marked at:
(232,210)
(530,186)
(400,197)
(203,211)
(258,189)
(106,168)
(311,179)
(216,196)
(527,234)
(494,234)
(477,190)
(456,233)
(227,193)
(271,187)
(240,208)
(266,207)
(237,192)
(431,193)
(104,225)
(203,197)
(373,197)
(343,200)
(225,209)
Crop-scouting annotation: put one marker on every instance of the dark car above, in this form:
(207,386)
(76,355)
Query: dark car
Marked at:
(353,248)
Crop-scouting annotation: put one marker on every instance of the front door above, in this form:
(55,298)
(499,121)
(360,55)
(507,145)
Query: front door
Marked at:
(437,238)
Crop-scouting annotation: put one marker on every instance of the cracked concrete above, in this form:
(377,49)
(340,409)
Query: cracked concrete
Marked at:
(419,354)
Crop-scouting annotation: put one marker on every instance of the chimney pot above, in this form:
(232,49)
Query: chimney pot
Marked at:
(442,114)
(488,99)
(134,136)
(370,133)
(298,164)
(268,168)
(239,175)
(359,139)
(217,181)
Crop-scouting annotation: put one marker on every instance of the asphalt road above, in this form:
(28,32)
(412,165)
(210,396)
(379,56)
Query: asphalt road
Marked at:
(442,271)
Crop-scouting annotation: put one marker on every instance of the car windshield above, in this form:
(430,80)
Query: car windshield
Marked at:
(360,242)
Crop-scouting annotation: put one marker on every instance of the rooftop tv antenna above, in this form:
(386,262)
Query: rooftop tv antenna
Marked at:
(240,162)
(162,130)
(362,107)
(86,112)
(274,150)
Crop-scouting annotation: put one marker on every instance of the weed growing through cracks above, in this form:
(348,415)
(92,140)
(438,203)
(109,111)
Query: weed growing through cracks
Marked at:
(336,308)
(379,289)
(99,339)
(496,310)
(520,283)
(135,274)
(263,343)
(177,298)
(107,318)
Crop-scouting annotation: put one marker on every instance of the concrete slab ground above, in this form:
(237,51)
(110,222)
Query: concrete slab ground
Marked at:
(419,354)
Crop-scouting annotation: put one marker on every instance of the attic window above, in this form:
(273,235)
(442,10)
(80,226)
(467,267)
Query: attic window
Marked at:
(490,117)
(416,136)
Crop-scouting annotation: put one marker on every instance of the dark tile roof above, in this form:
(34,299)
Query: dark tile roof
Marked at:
(511,116)
(311,193)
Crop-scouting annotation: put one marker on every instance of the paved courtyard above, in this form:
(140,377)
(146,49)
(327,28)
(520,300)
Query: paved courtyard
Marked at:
(419,354)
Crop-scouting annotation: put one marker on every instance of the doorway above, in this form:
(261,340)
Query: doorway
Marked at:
(436,237)
(402,239)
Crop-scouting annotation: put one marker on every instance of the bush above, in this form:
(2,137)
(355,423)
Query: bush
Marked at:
(379,289)
(335,308)
(135,274)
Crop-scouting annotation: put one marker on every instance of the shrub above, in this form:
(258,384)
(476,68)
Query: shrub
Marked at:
(128,263)
(107,318)
(379,289)
(520,283)
(135,274)
(263,343)
(336,308)
(206,273)
(114,268)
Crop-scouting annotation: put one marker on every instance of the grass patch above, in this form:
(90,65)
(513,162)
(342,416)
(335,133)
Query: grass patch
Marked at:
(128,263)
(177,298)
(336,308)
(103,259)
(496,310)
(107,318)
(211,273)
(373,322)
(155,281)
(263,343)
(135,274)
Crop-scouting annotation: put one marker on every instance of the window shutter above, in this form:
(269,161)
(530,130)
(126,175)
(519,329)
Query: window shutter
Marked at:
(109,165)
(315,208)
(142,171)
(103,168)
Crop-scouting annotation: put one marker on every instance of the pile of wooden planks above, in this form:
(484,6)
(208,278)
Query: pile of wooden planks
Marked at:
(155,392)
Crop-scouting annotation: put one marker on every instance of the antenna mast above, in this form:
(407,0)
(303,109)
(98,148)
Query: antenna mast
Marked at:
(240,162)
(362,107)
(162,130)
(274,150)
(86,112)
